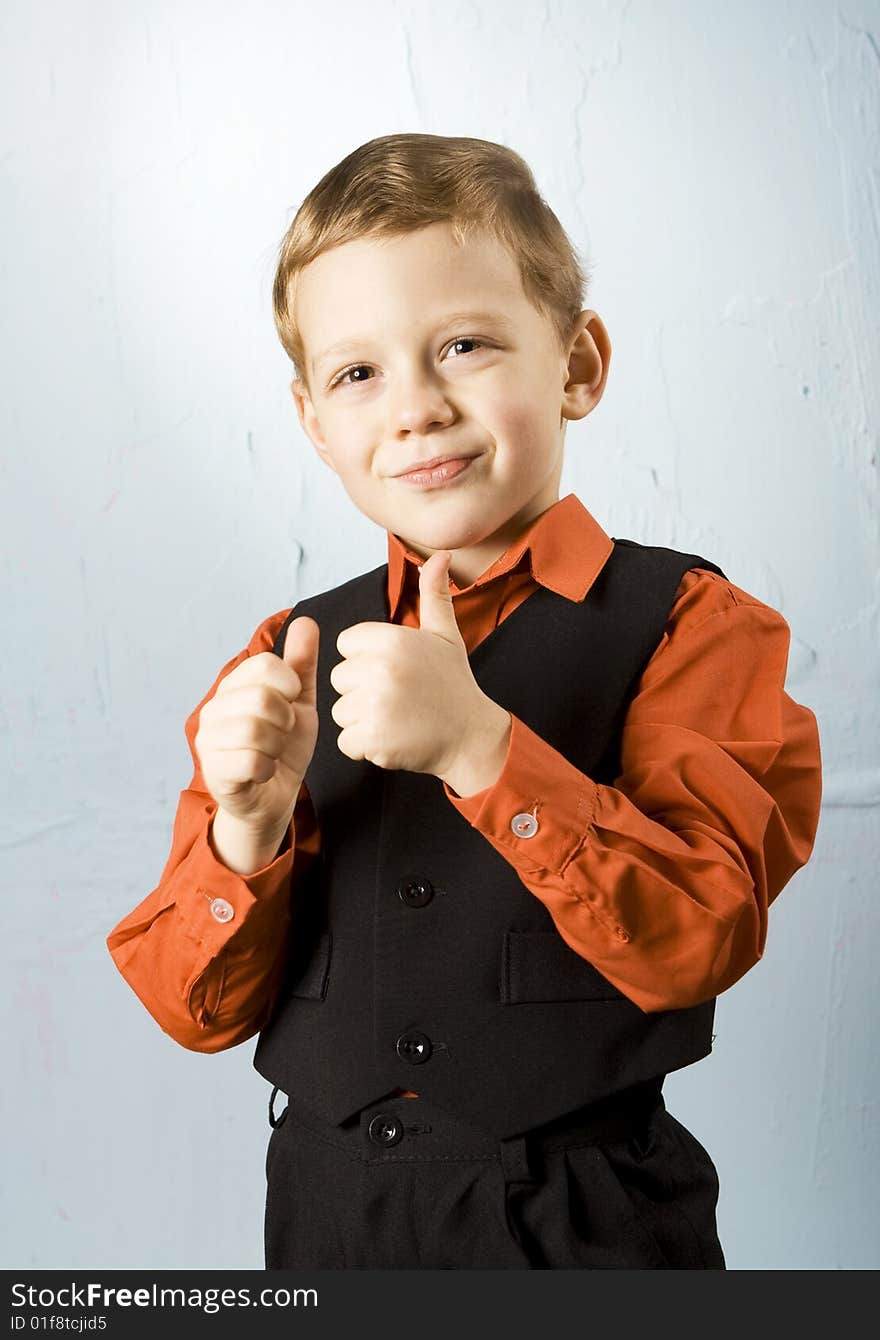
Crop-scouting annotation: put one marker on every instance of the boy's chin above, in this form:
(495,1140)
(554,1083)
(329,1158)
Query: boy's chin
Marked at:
(433,537)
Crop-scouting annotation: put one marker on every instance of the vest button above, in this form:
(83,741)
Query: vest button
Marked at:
(415,892)
(385,1129)
(414,1047)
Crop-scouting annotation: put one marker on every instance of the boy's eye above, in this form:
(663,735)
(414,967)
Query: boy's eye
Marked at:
(466,339)
(364,367)
(359,367)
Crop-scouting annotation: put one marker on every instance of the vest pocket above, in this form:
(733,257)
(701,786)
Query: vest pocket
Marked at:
(308,979)
(539,966)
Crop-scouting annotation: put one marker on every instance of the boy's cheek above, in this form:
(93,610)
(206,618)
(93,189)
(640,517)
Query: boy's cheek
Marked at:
(520,428)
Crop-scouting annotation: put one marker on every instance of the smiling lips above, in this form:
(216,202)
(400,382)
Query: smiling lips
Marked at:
(440,472)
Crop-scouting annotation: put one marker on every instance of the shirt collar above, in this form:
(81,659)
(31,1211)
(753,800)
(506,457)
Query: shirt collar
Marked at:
(565,547)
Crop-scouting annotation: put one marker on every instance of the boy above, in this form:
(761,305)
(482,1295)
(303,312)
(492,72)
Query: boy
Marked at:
(474,840)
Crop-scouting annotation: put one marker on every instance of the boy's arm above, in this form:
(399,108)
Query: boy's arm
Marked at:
(663,880)
(205,950)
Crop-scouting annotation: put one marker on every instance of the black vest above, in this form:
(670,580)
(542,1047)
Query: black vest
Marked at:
(418,958)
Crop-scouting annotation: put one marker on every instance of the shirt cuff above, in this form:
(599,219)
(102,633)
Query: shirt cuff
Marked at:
(215,903)
(539,811)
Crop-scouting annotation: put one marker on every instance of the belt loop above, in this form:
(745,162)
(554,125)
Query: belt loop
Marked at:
(273,1120)
(515,1160)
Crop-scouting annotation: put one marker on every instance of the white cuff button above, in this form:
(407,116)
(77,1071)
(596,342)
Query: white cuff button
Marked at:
(524,825)
(221,910)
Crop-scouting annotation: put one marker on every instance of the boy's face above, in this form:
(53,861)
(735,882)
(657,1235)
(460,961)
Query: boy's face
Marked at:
(444,355)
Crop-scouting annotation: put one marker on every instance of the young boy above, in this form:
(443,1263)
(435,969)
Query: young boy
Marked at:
(474,840)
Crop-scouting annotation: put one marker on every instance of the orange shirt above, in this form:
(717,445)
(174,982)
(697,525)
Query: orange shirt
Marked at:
(663,880)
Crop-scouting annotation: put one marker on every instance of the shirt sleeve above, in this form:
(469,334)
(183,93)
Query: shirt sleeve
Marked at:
(211,983)
(663,880)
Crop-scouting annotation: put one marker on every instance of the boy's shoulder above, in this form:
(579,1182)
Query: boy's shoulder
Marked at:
(707,576)
(370,581)
(266,632)
(704,590)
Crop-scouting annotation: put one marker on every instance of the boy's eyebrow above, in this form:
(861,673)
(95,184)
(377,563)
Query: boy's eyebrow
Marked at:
(344,346)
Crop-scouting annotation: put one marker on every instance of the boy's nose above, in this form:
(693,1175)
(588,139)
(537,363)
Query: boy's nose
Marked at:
(418,403)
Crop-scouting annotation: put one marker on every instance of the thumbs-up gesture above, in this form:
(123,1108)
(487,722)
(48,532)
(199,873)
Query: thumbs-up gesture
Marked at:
(408,697)
(258,732)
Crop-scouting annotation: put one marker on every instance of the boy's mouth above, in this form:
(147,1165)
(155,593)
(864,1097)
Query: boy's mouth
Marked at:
(437,472)
(432,461)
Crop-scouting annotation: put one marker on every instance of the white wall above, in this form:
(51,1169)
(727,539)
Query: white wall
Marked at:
(719,164)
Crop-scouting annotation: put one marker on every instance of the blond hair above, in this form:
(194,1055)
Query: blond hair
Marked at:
(395,184)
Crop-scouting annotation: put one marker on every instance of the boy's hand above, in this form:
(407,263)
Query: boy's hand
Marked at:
(409,699)
(257,734)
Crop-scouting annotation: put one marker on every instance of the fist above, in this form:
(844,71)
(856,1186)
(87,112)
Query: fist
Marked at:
(408,699)
(257,733)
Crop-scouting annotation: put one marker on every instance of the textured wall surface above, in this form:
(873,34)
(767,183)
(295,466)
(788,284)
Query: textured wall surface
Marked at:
(718,164)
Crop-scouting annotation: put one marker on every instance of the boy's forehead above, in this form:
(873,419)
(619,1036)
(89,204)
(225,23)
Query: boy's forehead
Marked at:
(433,247)
(425,274)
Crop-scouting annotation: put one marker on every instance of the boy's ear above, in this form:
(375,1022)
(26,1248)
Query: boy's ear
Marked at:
(589,356)
(309,420)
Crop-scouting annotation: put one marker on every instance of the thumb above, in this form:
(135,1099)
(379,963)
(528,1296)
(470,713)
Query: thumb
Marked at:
(301,654)
(436,614)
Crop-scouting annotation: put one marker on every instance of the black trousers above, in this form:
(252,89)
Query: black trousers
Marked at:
(620,1184)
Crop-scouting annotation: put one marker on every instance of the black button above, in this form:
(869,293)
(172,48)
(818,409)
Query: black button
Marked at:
(415,892)
(385,1129)
(414,1046)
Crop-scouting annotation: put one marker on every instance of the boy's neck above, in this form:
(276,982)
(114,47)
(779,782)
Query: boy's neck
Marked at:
(470,563)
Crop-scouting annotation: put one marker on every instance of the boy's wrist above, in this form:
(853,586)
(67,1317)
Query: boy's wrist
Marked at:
(240,848)
(480,760)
